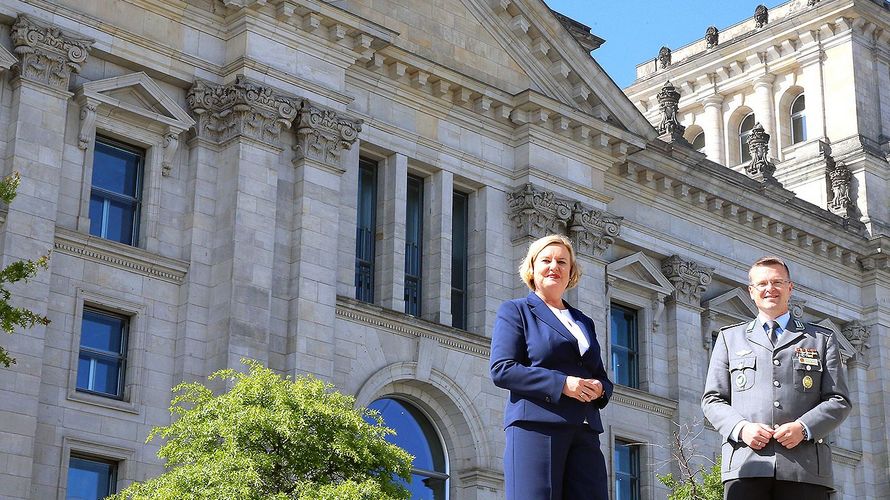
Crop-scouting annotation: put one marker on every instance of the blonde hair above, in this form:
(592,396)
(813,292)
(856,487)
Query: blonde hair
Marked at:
(527,267)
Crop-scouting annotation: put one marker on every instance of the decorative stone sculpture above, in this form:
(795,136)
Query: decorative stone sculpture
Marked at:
(858,335)
(712,36)
(761,16)
(322,134)
(812,3)
(536,213)
(760,168)
(668,101)
(664,57)
(839,179)
(690,279)
(243,108)
(47,55)
(87,124)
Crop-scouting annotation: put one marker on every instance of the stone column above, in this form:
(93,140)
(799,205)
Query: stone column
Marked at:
(322,136)
(763,107)
(715,150)
(35,143)
(439,197)
(492,270)
(243,120)
(389,278)
(683,327)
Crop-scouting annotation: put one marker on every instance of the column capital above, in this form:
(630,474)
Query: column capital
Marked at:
(689,278)
(47,55)
(323,133)
(240,109)
(764,80)
(713,100)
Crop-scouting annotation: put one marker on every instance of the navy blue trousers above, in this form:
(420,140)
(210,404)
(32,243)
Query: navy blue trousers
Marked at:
(554,462)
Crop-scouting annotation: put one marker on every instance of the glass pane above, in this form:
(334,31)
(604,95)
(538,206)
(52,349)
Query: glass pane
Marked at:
(106,376)
(83,372)
(89,480)
(102,331)
(365,232)
(116,169)
(96,214)
(799,105)
(698,143)
(622,367)
(121,217)
(414,433)
(798,128)
(459,263)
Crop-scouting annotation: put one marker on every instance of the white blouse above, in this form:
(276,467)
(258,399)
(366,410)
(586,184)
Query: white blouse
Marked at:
(565,316)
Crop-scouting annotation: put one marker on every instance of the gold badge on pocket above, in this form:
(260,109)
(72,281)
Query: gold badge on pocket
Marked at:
(808,382)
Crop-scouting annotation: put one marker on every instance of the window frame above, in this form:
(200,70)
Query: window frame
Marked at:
(414,256)
(703,142)
(743,135)
(129,400)
(635,476)
(107,195)
(366,164)
(800,115)
(122,457)
(112,474)
(95,354)
(635,374)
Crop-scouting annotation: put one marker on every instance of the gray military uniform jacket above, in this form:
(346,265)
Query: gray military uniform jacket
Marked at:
(801,378)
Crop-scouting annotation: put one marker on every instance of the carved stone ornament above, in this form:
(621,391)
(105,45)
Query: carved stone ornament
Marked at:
(87,124)
(812,3)
(46,54)
(795,307)
(690,279)
(761,16)
(839,178)
(536,213)
(322,134)
(171,144)
(760,168)
(712,37)
(858,335)
(668,101)
(664,57)
(242,108)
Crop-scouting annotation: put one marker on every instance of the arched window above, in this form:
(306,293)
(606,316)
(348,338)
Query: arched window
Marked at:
(416,435)
(744,132)
(798,120)
(698,143)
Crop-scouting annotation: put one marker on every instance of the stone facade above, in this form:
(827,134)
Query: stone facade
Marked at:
(254,117)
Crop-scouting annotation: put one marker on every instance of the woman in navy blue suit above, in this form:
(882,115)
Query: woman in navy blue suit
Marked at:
(545,353)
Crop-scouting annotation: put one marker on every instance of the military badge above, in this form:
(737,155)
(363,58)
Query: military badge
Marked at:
(808,382)
(741,380)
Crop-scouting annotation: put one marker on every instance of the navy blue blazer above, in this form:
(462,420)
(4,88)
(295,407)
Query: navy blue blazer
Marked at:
(532,353)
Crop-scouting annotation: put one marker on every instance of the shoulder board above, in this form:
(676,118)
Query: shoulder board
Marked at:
(820,329)
(727,327)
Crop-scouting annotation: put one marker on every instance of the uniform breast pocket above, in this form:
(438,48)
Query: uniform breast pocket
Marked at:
(742,372)
(807,376)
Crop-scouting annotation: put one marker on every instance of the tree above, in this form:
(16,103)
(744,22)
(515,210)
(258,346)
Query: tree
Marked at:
(22,270)
(272,438)
(696,482)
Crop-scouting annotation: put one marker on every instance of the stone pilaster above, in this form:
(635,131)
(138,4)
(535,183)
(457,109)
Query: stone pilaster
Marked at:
(389,277)
(437,289)
(322,135)
(492,275)
(35,145)
(241,123)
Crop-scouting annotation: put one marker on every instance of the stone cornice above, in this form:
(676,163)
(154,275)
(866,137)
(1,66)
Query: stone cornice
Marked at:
(121,256)
(408,326)
(48,55)
(243,108)
(736,198)
(637,399)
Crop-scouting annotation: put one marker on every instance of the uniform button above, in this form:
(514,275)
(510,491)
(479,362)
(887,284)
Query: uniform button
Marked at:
(776,383)
(819,441)
(809,367)
(776,362)
(547,398)
(776,404)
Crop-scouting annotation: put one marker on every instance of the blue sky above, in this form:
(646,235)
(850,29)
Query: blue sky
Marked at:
(635,29)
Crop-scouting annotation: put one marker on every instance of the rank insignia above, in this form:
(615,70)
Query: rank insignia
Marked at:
(808,382)
(741,380)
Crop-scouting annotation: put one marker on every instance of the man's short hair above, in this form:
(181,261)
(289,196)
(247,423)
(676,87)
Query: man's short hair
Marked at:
(770,261)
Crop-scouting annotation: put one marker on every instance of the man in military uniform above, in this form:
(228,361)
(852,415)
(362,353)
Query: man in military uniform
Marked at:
(776,387)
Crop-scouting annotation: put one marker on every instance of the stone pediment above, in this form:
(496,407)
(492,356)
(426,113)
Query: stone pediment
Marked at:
(847,349)
(137,93)
(638,270)
(6,59)
(736,304)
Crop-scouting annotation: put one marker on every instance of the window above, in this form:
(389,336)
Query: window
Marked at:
(745,131)
(365,231)
(698,143)
(116,196)
(413,245)
(416,435)
(102,361)
(798,120)
(460,223)
(90,479)
(627,471)
(625,365)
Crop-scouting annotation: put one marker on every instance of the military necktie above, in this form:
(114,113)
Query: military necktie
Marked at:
(773,336)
